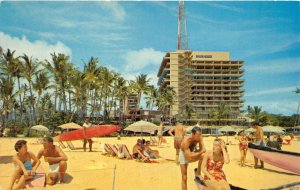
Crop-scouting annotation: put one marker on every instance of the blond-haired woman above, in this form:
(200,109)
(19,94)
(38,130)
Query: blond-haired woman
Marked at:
(212,164)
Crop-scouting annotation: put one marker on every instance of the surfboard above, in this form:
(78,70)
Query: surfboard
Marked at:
(87,133)
(282,159)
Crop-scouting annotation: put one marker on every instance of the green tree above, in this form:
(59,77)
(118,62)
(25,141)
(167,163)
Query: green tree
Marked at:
(221,112)
(30,70)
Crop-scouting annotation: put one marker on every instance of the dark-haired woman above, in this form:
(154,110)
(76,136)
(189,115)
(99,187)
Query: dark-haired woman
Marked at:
(24,167)
(212,164)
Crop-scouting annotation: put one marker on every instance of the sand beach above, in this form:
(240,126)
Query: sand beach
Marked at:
(92,170)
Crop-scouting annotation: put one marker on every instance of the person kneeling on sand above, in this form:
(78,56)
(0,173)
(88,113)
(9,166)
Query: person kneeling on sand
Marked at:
(188,154)
(24,169)
(213,161)
(57,161)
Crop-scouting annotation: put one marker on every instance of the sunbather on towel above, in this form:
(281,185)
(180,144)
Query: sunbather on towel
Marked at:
(57,161)
(24,169)
(137,152)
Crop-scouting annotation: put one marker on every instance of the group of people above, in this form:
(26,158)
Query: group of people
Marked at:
(188,149)
(26,163)
(142,150)
(210,162)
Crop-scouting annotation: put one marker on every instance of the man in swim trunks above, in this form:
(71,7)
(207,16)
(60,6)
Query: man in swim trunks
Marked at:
(188,153)
(259,140)
(57,161)
(179,133)
(85,125)
(137,151)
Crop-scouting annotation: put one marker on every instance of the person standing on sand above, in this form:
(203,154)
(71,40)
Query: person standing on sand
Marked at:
(259,141)
(57,161)
(87,124)
(243,146)
(188,154)
(160,133)
(24,169)
(179,133)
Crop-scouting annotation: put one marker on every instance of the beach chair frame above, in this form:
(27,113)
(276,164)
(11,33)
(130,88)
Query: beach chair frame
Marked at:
(71,146)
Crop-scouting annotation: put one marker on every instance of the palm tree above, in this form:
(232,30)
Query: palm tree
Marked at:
(255,113)
(12,67)
(141,85)
(7,96)
(188,110)
(221,112)
(59,69)
(30,70)
(41,84)
(166,99)
(151,98)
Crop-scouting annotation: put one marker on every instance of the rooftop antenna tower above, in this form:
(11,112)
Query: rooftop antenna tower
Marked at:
(182,33)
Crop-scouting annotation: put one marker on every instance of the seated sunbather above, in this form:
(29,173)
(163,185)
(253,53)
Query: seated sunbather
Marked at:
(137,152)
(153,154)
(24,168)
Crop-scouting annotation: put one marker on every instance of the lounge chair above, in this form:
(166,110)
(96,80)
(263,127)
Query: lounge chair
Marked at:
(61,144)
(108,150)
(123,151)
(72,147)
(114,149)
(153,141)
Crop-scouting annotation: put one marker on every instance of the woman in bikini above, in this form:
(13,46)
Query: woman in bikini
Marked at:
(212,164)
(25,168)
(243,146)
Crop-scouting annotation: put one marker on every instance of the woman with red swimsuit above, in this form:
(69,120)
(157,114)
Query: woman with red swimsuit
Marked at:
(243,146)
(212,164)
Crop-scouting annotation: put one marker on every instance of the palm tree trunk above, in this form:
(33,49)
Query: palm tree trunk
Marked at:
(32,104)
(20,99)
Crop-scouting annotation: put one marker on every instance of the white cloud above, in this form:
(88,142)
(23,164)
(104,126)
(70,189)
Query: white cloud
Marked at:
(37,49)
(276,107)
(140,59)
(276,66)
(115,8)
(271,91)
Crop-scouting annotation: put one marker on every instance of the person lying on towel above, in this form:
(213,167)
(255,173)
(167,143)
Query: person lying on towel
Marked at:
(57,161)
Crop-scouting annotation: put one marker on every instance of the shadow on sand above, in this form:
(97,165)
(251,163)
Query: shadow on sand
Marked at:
(5,159)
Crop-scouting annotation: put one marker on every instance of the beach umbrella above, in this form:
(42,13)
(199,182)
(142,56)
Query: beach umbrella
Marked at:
(271,129)
(70,126)
(227,129)
(142,126)
(249,130)
(40,128)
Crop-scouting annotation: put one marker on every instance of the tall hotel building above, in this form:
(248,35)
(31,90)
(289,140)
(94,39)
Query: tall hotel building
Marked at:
(203,80)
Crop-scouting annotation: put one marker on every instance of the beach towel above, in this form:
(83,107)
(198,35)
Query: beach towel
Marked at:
(38,179)
(201,185)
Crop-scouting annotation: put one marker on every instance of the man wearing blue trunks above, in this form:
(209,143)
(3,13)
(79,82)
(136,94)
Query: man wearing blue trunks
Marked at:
(259,140)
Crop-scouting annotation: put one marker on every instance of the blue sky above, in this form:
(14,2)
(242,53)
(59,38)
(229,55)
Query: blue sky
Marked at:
(131,37)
